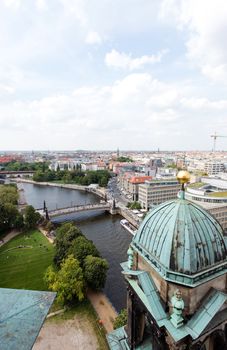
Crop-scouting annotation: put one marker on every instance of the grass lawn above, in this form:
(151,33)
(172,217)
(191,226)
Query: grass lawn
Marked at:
(196,185)
(218,194)
(23,266)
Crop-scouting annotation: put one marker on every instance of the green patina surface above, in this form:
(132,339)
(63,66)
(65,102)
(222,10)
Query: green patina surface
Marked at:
(117,340)
(145,288)
(180,240)
(22,313)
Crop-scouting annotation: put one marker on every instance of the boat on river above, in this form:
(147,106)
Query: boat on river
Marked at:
(129,227)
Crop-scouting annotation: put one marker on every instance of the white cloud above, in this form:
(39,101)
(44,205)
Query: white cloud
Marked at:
(41,5)
(93,38)
(203,103)
(6,89)
(53,84)
(206,24)
(122,60)
(137,108)
(13,4)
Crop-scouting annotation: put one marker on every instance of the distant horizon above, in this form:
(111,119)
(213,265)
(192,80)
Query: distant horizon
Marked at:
(108,150)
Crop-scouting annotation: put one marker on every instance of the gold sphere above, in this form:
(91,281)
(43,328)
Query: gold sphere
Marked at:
(183,176)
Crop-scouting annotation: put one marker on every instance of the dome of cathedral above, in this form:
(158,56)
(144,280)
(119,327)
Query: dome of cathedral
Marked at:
(181,237)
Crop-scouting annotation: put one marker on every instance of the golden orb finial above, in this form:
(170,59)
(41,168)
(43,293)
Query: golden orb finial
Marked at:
(183,176)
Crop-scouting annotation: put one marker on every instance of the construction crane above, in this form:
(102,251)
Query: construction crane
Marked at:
(215,136)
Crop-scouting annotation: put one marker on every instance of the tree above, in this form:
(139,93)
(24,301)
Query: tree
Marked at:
(9,217)
(31,217)
(39,176)
(134,205)
(81,248)
(124,160)
(95,270)
(65,234)
(103,181)
(121,319)
(8,194)
(68,282)
(67,178)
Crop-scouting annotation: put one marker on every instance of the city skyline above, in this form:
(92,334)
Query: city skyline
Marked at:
(100,75)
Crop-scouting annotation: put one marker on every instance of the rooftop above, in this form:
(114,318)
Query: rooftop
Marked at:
(22,313)
(181,240)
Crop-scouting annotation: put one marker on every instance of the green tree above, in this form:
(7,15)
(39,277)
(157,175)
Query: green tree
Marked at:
(31,217)
(82,247)
(121,319)
(9,217)
(124,160)
(68,282)
(8,194)
(39,176)
(65,234)
(95,270)
(67,178)
(134,205)
(103,181)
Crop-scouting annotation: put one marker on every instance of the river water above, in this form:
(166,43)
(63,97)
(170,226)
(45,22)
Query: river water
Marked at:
(111,239)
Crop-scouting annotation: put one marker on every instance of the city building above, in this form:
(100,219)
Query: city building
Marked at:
(176,281)
(157,191)
(130,181)
(214,167)
(209,190)
(166,173)
(211,194)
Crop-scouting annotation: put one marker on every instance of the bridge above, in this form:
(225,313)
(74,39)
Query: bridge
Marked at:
(19,173)
(75,209)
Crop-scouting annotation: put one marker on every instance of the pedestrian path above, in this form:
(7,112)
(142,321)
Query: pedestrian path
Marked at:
(103,308)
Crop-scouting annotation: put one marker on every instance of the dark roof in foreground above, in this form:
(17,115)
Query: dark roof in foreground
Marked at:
(22,313)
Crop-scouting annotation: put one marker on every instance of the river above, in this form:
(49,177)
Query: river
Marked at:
(105,230)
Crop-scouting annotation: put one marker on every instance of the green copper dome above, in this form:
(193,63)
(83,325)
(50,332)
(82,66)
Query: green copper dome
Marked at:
(181,237)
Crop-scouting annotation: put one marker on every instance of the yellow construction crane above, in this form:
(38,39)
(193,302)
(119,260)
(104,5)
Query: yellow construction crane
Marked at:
(215,136)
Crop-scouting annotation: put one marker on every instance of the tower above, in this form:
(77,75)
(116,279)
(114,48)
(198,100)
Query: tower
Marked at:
(176,278)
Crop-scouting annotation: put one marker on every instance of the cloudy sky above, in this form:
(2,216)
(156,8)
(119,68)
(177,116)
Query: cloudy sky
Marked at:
(102,74)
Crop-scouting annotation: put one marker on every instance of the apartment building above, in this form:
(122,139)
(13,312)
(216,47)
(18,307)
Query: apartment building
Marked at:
(213,168)
(130,182)
(157,191)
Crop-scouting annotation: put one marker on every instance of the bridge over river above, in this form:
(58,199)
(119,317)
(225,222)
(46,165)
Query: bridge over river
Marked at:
(77,208)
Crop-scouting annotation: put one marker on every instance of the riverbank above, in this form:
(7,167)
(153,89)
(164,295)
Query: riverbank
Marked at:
(103,308)
(54,184)
(100,192)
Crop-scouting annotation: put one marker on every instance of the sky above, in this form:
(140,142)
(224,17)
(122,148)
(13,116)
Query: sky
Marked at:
(104,74)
